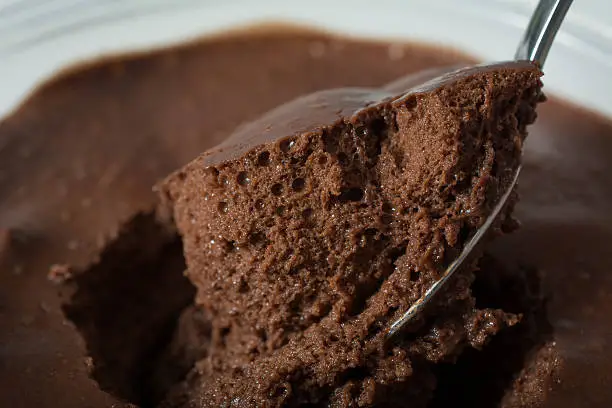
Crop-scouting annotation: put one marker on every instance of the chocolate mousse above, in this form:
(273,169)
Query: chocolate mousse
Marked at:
(79,157)
(308,231)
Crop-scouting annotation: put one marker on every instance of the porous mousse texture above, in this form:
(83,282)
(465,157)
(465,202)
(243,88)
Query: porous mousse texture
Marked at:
(310,230)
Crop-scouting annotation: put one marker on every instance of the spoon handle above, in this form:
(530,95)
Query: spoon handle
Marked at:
(541,30)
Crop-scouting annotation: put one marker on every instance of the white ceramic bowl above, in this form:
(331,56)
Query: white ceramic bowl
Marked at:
(39,38)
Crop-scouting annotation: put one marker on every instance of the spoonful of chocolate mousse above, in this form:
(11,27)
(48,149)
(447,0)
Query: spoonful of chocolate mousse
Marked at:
(321,230)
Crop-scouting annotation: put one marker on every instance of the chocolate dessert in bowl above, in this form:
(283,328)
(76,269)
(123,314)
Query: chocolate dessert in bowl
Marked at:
(286,303)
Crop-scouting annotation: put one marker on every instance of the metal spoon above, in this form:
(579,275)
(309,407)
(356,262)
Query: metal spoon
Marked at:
(534,47)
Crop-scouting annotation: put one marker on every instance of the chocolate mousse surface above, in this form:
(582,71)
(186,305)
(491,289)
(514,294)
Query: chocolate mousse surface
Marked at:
(308,231)
(71,182)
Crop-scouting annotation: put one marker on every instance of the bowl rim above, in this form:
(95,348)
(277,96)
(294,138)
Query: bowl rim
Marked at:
(34,47)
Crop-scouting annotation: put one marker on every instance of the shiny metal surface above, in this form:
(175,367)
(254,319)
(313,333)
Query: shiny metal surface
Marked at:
(541,30)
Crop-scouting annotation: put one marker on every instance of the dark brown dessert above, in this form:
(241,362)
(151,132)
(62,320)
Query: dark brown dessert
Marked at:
(136,270)
(310,230)
(66,189)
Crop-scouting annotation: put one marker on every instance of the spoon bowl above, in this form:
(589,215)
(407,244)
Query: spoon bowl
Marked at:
(534,46)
